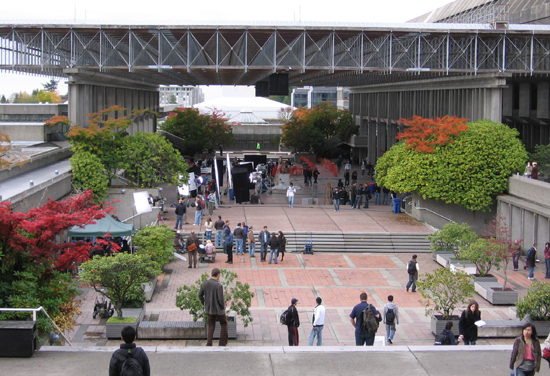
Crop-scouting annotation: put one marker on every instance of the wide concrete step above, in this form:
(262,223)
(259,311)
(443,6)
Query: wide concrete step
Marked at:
(356,242)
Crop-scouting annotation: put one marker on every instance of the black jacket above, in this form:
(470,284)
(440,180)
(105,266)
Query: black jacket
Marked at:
(294,317)
(120,355)
(180,209)
(273,243)
(467,326)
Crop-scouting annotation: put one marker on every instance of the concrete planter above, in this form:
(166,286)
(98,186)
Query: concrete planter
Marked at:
(113,330)
(183,329)
(543,327)
(443,258)
(231,328)
(485,278)
(492,292)
(437,324)
(149,288)
(464,266)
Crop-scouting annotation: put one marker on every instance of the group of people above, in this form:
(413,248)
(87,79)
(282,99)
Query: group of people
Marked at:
(340,196)
(531,259)
(531,170)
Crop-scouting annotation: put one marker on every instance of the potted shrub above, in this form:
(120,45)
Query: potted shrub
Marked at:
(483,255)
(238,299)
(443,291)
(447,242)
(535,307)
(119,278)
(158,243)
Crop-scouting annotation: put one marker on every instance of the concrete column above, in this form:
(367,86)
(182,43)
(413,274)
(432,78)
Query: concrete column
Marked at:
(543,99)
(372,142)
(524,99)
(492,107)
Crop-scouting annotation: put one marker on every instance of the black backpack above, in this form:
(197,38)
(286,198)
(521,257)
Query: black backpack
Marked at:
(285,317)
(370,322)
(390,317)
(442,339)
(412,268)
(130,366)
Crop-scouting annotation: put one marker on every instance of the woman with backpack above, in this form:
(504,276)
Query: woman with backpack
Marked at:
(282,245)
(466,326)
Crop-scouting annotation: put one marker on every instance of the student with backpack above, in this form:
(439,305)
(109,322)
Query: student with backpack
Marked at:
(412,269)
(447,337)
(365,319)
(129,360)
(391,318)
(291,319)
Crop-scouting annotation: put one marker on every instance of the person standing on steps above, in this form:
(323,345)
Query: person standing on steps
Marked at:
(218,225)
(412,269)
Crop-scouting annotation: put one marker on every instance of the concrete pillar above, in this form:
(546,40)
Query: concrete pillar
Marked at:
(524,99)
(493,104)
(372,142)
(543,100)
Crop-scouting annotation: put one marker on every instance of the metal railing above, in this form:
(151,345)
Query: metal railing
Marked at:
(34,311)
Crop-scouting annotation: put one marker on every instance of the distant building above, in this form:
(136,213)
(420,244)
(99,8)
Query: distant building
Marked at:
(185,96)
(25,121)
(310,96)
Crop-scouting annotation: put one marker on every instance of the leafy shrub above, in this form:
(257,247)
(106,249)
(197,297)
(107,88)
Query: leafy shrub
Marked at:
(536,303)
(157,242)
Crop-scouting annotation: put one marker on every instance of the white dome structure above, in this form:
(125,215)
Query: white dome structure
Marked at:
(262,108)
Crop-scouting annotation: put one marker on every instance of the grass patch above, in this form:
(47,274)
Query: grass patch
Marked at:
(123,320)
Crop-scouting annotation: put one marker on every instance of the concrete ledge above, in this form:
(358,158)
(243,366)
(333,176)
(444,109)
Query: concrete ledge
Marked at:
(501,329)
(172,330)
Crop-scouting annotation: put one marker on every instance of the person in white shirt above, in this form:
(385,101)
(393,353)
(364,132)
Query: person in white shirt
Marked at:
(318,323)
(290,192)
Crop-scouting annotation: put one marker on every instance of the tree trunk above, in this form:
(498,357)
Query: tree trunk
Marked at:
(118,309)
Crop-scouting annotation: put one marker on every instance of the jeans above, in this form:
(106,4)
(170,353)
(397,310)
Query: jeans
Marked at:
(212,326)
(291,201)
(390,331)
(376,198)
(469,343)
(412,281)
(239,244)
(179,221)
(366,203)
(316,331)
(198,217)
(357,203)
(273,253)
(547,261)
(263,253)
(252,249)
(336,204)
(520,372)
(208,235)
(385,199)
(531,272)
(219,238)
(363,338)
(210,207)
(515,260)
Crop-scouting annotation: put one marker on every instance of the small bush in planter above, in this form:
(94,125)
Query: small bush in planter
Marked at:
(536,303)
(120,276)
(121,320)
(452,237)
(157,242)
(443,291)
(238,297)
(484,254)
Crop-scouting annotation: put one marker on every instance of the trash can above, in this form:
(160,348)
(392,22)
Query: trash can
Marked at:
(397,205)
(231,197)
(371,186)
(17,339)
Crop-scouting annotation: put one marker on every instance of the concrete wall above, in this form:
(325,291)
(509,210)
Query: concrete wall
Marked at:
(36,161)
(56,189)
(438,214)
(49,109)
(124,206)
(526,210)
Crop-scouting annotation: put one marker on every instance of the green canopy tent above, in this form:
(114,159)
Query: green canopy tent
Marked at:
(102,227)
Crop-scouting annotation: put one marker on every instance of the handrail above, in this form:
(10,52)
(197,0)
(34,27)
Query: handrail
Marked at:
(431,211)
(34,310)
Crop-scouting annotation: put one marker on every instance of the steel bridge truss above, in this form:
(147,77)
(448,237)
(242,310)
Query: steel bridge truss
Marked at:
(243,56)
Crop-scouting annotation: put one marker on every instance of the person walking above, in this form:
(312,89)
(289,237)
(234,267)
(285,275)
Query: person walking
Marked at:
(192,244)
(318,323)
(211,296)
(251,241)
(282,245)
(274,245)
(526,352)
(516,253)
(466,325)
(315,175)
(391,318)
(362,338)
(180,212)
(294,323)
(128,350)
(290,192)
(263,238)
(531,260)
(547,259)
(412,269)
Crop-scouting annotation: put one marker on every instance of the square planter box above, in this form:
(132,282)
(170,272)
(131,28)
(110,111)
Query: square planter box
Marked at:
(437,325)
(113,330)
(464,266)
(443,258)
(149,288)
(487,291)
(486,278)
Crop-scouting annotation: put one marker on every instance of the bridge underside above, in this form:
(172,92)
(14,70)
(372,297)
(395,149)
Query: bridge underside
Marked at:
(239,55)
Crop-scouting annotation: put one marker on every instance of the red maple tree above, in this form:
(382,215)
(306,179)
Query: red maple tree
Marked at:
(422,134)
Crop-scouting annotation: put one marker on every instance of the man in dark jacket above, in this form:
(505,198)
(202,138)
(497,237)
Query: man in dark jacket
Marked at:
(211,295)
(180,212)
(218,225)
(226,232)
(128,349)
(238,234)
(193,254)
(263,239)
(293,323)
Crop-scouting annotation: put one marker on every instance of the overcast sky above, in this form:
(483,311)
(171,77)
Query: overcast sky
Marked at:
(178,12)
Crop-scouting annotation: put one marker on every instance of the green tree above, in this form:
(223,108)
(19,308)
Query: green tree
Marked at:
(198,131)
(536,303)
(453,237)
(483,254)
(470,171)
(3,99)
(51,85)
(120,276)
(541,155)
(151,158)
(89,173)
(157,242)
(313,129)
(172,99)
(444,290)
